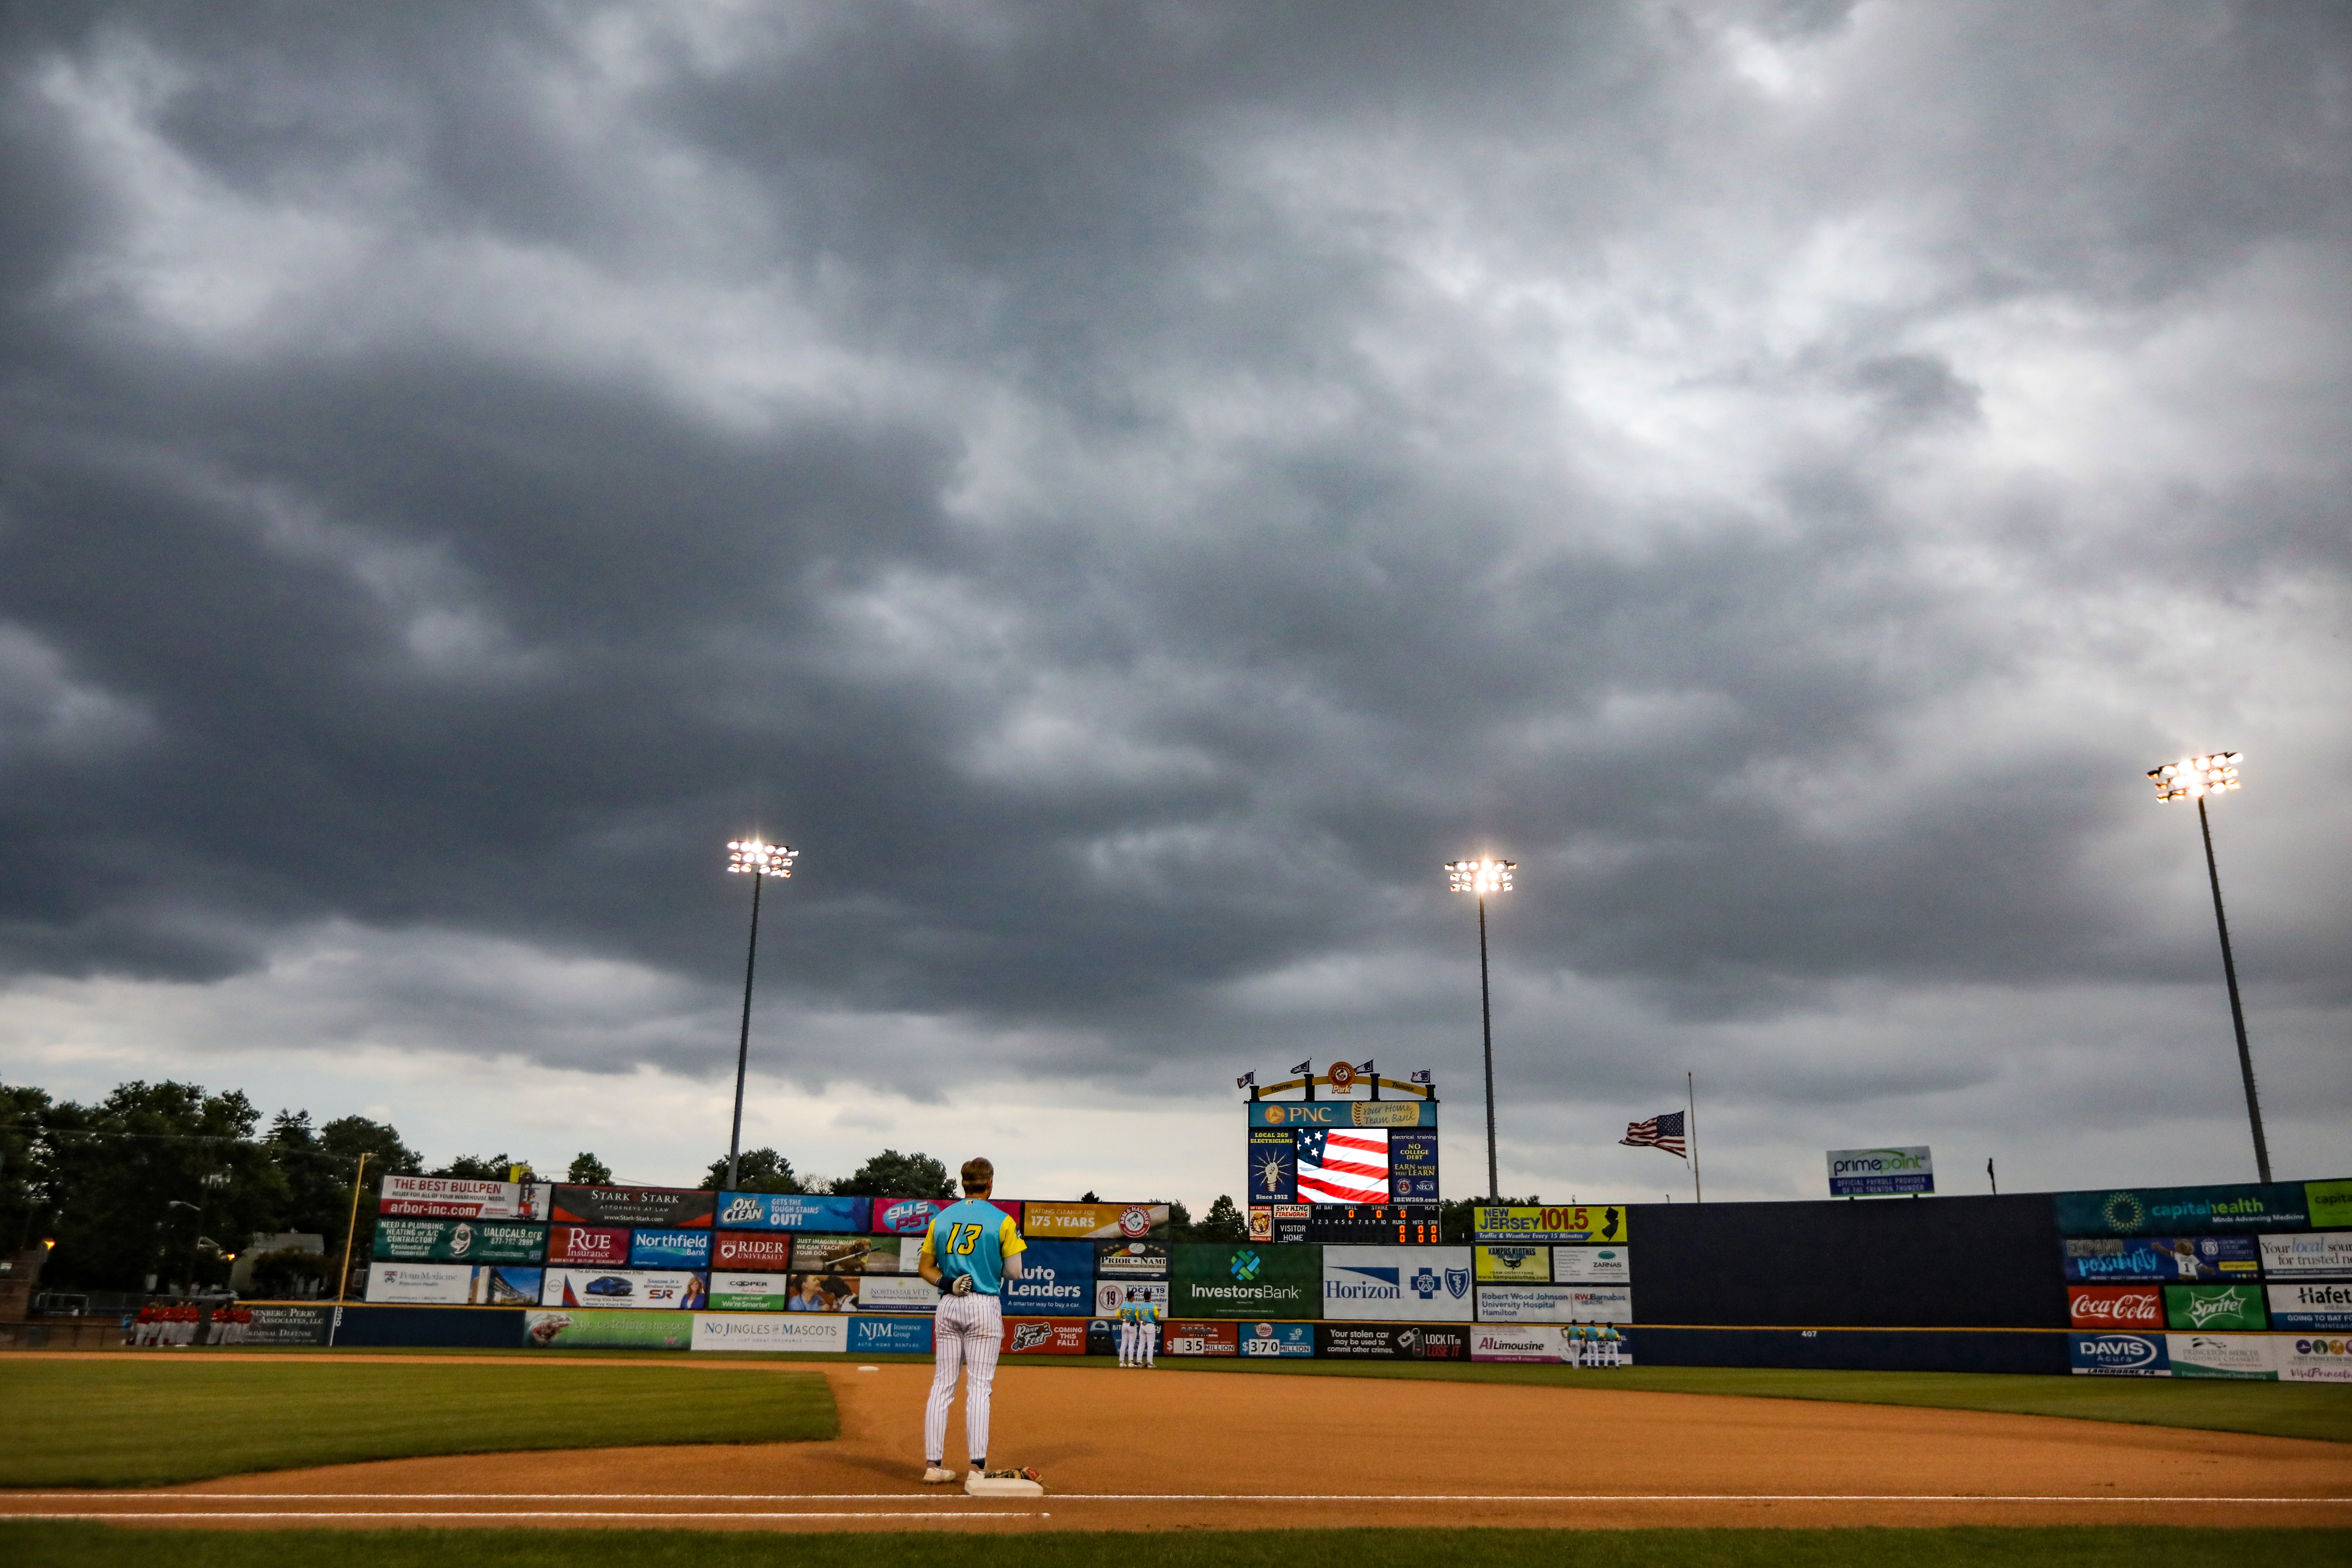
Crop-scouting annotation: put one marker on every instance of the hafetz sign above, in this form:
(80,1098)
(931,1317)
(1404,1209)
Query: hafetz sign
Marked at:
(452,1197)
(1376,1284)
(2305,1307)
(2243,1208)
(1343,1113)
(1881,1173)
(2308,1255)
(1575,1222)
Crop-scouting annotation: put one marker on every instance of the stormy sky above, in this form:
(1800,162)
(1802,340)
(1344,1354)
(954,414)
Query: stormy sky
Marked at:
(1129,491)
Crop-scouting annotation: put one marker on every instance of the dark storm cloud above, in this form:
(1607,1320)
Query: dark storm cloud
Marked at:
(1128,490)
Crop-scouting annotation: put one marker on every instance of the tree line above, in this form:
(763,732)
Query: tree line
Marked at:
(169,1181)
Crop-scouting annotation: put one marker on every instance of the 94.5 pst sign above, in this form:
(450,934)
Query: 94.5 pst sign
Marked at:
(1881,1173)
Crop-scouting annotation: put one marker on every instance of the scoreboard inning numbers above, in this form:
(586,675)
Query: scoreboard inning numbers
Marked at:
(1395,1224)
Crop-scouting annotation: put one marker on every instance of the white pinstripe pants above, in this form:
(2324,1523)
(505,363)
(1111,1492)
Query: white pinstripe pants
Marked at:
(965,1333)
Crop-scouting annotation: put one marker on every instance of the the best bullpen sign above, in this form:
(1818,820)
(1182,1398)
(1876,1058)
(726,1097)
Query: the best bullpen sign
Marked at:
(1881,1173)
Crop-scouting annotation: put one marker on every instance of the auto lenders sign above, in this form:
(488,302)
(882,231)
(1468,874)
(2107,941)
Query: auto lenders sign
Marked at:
(1881,1173)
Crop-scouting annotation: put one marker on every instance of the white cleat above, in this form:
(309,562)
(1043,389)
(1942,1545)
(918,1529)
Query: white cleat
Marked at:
(1003,1483)
(938,1477)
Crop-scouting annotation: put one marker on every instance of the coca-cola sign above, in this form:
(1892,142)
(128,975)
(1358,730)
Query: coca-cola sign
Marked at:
(2115,1306)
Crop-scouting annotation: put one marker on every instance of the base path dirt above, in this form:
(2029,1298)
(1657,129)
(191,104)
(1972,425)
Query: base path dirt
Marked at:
(1165,1451)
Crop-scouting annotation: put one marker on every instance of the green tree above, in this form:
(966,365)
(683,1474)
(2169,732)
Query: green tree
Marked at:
(478,1168)
(318,1167)
(140,1180)
(1179,1221)
(1224,1222)
(25,1173)
(587,1170)
(758,1171)
(891,1174)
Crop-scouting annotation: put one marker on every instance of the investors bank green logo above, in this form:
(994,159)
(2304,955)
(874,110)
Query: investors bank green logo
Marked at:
(1246,1265)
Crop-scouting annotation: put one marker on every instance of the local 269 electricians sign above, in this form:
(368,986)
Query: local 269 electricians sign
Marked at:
(1880,1173)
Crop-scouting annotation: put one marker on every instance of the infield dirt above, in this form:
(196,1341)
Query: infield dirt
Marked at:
(1162,1450)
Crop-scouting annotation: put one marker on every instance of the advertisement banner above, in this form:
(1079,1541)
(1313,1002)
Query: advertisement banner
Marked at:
(2151,1259)
(1592,1265)
(1881,1173)
(2309,1359)
(2110,1353)
(1273,1165)
(669,1208)
(1522,1342)
(588,1247)
(1195,1336)
(793,1211)
(608,1331)
(2300,1307)
(1375,1284)
(824,1293)
(277,1325)
(1413,1167)
(404,1240)
(2328,1204)
(1509,1265)
(1595,1222)
(450,1197)
(897,1293)
(752,1252)
(1266,1339)
(633,1289)
(2218,1307)
(1222,1281)
(733,1292)
(669,1249)
(1525,1303)
(818,1253)
(1284,1224)
(1130,1260)
(904,1216)
(1092,1222)
(770,1331)
(1110,1294)
(895,1255)
(2115,1306)
(910,1335)
(2183,1211)
(2310,1255)
(1045,1336)
(509,1285)
(421,1284)
(1344,1113)
(2250,1357)
(1390,1342)
(1057,1280)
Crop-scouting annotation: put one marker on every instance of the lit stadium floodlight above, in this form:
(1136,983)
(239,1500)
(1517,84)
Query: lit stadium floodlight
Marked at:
(1480,877)
(758,859)
(2195,778)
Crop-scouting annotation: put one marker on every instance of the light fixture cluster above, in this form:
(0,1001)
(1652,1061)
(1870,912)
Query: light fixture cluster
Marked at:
(756,858)
(1480,876)
(2196,777)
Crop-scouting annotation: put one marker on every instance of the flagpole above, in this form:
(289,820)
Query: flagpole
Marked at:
(1690,1086)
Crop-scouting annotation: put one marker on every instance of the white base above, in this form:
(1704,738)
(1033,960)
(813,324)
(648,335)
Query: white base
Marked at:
(989,1485)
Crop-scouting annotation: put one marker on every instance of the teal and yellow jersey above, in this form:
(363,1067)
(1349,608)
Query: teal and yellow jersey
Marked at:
(973,1238)
(1146,1311)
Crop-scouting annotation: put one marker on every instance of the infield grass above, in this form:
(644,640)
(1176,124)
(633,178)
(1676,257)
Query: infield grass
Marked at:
(119,1423)
(79,1545)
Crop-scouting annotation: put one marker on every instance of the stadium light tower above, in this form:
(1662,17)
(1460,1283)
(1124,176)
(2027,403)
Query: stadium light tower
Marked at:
(2194,778)
(760,861)
(1480,877)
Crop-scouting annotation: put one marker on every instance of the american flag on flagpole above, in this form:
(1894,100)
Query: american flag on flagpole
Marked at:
(1350,1167)
(1658,1132)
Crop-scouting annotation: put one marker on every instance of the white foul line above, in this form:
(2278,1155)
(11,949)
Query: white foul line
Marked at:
(249,1499)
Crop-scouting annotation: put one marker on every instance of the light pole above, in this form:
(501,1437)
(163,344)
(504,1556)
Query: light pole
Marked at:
(2193,779)
(758,861)
(1481,878)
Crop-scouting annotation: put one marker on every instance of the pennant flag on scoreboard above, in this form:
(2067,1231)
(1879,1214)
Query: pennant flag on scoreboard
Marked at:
(1347,1165)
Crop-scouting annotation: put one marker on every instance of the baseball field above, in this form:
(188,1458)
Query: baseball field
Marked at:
(406,1457)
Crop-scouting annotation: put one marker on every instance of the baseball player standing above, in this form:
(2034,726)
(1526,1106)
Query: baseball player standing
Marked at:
(1146,1327)
(971,1250)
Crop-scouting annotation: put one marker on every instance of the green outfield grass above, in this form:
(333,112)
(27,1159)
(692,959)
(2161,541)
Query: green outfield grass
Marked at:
(76,1545)
(113,1422)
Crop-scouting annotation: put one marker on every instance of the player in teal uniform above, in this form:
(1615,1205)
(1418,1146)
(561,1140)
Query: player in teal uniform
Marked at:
(971,1249)
(1146,1327)
(1128,1318)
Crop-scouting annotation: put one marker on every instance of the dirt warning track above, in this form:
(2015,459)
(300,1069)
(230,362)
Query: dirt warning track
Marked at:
(1172,1451)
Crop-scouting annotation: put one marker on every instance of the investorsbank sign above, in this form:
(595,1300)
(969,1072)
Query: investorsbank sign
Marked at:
(1224,1281)
(1881,1173)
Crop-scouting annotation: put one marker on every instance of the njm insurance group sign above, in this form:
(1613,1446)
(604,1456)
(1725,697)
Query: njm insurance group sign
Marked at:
(1880,1173)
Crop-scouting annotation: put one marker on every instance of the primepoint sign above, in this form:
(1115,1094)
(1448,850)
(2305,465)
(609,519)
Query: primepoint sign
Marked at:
(1881,1173)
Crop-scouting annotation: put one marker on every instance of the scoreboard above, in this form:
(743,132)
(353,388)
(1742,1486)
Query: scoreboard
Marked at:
(1393,1225)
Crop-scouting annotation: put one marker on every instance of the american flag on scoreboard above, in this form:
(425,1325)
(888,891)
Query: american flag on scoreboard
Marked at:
(1658,1132)
(1348,1167)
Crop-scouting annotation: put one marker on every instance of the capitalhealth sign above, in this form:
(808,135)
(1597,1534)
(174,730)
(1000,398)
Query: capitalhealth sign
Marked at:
(1881,1173)
(1384,1284)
